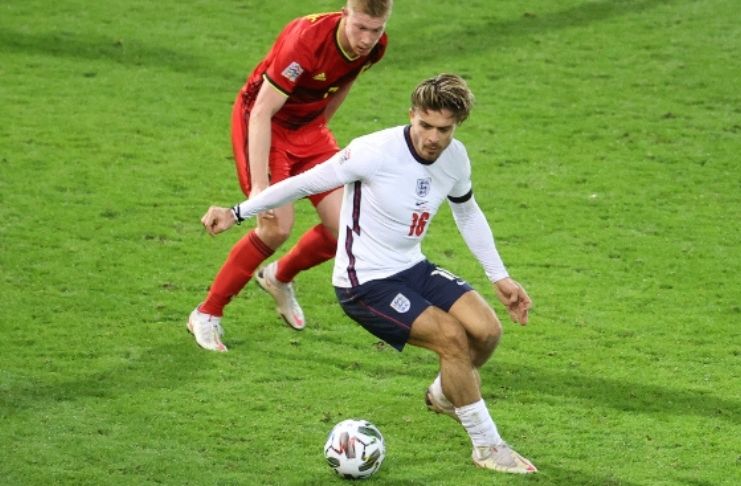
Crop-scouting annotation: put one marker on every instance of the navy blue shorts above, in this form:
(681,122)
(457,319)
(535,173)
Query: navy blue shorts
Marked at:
(388,307)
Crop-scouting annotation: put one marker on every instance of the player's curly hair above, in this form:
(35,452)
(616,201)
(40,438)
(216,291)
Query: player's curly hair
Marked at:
(374,8)
(444,92)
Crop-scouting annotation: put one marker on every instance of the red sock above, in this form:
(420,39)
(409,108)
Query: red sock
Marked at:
(243,259)
(314,247)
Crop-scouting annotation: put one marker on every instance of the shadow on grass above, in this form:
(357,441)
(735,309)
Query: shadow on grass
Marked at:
(501,376)
(126,52)
(622,395)
(472,38)
(470,475)
(161,368)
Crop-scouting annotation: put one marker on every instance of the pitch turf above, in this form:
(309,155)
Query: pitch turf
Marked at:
(605,144)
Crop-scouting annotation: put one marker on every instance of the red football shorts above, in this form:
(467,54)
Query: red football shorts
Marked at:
(291,152)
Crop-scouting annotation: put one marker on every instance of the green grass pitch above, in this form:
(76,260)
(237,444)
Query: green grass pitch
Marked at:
(605,143)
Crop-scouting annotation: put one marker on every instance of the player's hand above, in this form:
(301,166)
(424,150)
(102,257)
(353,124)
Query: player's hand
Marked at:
(514,297)
(217,220)
(269,214)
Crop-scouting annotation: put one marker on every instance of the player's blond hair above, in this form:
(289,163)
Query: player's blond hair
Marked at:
(444,92)
(374,8)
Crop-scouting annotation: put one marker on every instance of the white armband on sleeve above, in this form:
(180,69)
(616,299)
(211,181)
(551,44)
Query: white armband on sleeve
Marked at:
(477,234)
(319,179)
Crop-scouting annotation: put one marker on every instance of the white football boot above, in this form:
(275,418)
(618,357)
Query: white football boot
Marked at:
(439,407)
(502,458)
(207,330)
(285,299)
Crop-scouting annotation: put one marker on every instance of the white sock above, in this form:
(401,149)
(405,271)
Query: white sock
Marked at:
(437,391)
(478,423)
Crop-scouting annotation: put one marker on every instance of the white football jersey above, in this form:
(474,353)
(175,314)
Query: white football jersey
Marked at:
(390,197)
(389,201)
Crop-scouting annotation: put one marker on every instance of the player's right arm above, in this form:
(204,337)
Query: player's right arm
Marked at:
(351,164)
(318,179)
(269,100)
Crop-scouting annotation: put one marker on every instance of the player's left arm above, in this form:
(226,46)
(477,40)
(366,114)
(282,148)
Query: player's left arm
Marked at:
(479,238)
(336,100)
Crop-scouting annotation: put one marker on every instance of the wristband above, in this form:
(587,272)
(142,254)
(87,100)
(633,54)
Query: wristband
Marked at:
(237,217)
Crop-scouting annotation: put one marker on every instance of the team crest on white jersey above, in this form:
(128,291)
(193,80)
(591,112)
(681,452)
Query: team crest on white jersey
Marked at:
(293,71)
(423,186)
(344,156)
(400,303)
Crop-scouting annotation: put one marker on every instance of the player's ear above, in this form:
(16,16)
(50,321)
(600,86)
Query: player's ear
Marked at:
(411,114)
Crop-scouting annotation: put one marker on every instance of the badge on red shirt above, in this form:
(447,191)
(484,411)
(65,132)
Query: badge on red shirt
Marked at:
(293,71)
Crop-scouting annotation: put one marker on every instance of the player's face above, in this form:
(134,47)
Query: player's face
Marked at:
(362,31)
(431,131)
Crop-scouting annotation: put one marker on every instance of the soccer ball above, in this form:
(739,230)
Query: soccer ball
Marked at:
(355,449)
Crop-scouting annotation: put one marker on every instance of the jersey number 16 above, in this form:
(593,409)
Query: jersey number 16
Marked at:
(419,221)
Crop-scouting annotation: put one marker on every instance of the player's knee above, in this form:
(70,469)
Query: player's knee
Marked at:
(488,332)
(281,234)
(454,340)
(491,334)
(273,235)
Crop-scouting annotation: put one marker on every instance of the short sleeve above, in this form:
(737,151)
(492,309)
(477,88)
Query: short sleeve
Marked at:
(291,59)
(462,189)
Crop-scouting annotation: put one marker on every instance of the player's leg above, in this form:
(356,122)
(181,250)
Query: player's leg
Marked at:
(315,246)
(249,252)
(328,208)
(460,302)
(452,294)
(441,332)
(318,244)
(481,323)
(483,330)
(398,310)
(244,258)
(394,311)
(316,145)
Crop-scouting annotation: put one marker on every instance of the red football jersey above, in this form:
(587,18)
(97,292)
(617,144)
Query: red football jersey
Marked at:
(307,64)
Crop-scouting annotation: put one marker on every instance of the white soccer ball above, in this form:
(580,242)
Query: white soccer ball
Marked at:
(355,449)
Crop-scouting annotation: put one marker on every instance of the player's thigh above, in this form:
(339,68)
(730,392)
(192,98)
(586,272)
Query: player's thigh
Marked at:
(440,332)
(396,312)
(454,295)
(315,145)
(386,308)
(329,210)
(476,316)
(274,228)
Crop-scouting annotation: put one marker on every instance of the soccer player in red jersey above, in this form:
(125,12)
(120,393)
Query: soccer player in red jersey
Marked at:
(279,129)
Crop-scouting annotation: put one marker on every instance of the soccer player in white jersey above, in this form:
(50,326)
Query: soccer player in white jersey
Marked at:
(394,182)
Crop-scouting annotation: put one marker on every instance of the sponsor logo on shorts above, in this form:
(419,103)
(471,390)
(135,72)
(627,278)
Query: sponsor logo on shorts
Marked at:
(401,304)
(293,71)
(448,275)
(344,156)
